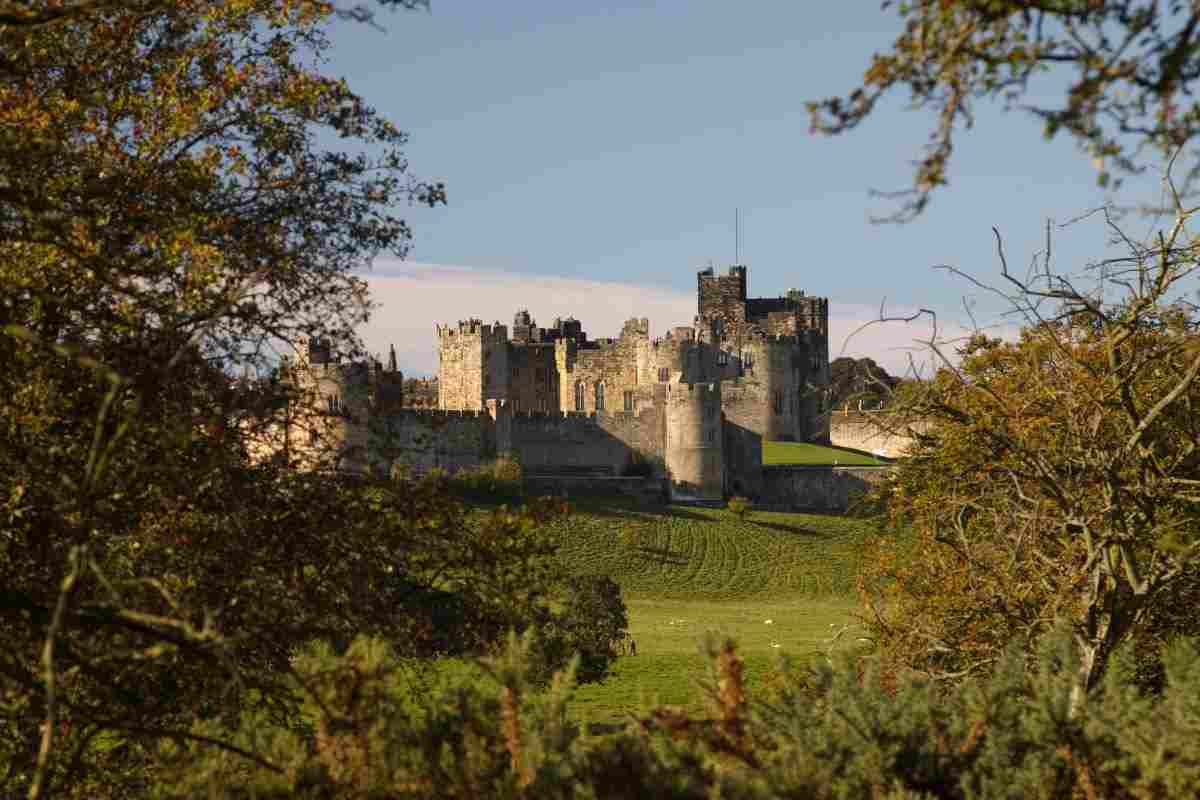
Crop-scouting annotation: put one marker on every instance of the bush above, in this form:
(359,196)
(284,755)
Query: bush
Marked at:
(507,469)
(500,479)
(829,731)
(740,507)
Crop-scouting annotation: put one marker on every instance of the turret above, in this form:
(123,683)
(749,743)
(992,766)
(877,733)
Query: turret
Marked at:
(694,440)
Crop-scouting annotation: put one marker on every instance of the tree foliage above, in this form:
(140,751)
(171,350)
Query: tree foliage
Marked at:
(182,191)
(1129,67)
(853,381)
(1059,478)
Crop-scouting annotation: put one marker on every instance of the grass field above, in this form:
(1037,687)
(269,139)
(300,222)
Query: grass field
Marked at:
(686,571)
(805,453)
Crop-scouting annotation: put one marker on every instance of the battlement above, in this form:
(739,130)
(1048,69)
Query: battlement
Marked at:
(636,327)
(438,413)
(495,332)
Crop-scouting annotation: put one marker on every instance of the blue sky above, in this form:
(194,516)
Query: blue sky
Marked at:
(583,146)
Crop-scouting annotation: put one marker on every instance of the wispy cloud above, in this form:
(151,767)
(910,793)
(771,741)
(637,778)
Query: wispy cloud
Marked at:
(413,297)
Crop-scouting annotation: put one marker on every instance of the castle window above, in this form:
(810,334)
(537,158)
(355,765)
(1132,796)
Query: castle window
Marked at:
(516,372)
(629,401)
(313,437)
(541,376)
(747,358)
(722,358)
(778,402)
(579,395)
(710,435)
(664,375)
(599,396)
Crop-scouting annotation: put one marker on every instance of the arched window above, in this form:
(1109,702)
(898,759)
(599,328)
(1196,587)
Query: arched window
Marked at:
(579,395)
(599,396)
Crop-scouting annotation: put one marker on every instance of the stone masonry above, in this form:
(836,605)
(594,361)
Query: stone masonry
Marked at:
(692,407)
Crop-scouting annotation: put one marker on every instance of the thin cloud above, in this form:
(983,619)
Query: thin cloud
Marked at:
(412,298)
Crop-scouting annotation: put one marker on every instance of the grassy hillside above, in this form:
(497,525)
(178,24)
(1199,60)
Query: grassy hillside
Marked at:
(778,583)
(805,453)
(700,553)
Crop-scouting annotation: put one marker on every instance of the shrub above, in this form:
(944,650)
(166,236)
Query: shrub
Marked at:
(507,470)
(833,730)
(740,507)
(500,479)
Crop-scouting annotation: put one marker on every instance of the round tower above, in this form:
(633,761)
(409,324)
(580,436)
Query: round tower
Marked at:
(694,457)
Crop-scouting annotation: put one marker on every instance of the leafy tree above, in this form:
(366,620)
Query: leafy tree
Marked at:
(590,623)
(1059,478)
(858,380)
(1130,66)
(180,191)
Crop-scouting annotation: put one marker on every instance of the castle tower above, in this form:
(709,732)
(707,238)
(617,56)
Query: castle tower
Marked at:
(473,365)
(721,301)
(693,453)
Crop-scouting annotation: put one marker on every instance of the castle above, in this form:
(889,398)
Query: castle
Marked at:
(692,407)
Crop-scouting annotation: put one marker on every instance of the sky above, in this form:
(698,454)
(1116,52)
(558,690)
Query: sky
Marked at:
(594,159)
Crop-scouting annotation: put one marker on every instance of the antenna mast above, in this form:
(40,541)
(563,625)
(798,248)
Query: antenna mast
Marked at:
(737,236)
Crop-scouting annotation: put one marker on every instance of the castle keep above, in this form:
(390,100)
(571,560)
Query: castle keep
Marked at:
(692,406)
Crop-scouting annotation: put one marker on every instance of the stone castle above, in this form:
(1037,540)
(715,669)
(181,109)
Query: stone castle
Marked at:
(692,407)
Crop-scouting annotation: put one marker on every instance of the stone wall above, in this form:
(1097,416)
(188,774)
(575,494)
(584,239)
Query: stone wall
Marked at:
(473,364)
(766,399)
(722,299)
(556,442)
(423,439)
(650,489)
(873,432)
(695,441)
(743,459)
(816,488)
(611,363)
(533,378)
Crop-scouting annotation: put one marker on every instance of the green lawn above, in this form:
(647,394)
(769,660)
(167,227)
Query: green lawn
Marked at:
(668,666)
(686,553)
(686,571)
(805,453)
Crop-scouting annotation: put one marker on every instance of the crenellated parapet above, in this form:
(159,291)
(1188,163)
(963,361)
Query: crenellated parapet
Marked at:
(475,329)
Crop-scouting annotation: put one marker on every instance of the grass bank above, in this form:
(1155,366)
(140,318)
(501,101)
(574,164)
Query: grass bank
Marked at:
(778,583)
(806,453)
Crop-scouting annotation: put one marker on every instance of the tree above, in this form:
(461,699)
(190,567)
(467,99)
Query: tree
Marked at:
(1059,479)
(170,211)
(590,623)
(1131,66)
(852,381)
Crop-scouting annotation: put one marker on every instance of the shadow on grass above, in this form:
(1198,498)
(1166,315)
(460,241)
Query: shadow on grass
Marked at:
(634,508)
(785,528)
(663,555)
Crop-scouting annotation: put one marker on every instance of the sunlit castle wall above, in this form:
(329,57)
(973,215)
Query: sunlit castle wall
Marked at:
(694,457)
